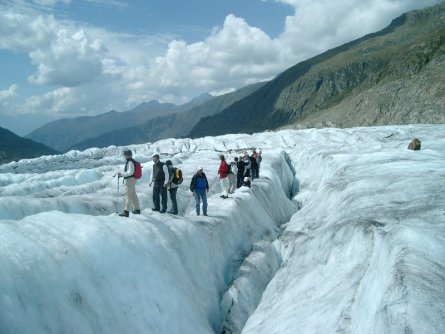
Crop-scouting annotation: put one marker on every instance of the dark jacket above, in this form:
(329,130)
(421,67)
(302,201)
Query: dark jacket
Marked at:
(240,165)
(199,182)
(158,173)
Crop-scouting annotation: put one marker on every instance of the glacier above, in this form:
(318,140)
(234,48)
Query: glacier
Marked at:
(342,233)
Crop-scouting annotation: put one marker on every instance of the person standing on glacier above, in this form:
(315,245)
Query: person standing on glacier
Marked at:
(159,178)
(199,186)
(223,172)
(131,198)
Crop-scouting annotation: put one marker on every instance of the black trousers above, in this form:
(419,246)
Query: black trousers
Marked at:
(159,192)
(172,193)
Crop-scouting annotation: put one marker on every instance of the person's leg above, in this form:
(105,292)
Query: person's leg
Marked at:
(156,194)
(232,180)
(197,196)
(133,198)
(127,202)
(174,208)
(163,198)
(239,181)
(204,202)
(225,187)
(127,195)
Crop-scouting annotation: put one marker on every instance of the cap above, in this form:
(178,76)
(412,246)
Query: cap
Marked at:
(246,179)
(200,168)
(169,162)
(155,156)
(128,152)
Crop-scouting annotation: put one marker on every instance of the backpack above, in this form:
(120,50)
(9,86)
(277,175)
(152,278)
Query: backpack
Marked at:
(233,167)
(137,170)
(178,176)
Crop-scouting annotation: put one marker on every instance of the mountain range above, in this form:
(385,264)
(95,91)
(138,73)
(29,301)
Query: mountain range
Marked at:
(394,76)
(175,124)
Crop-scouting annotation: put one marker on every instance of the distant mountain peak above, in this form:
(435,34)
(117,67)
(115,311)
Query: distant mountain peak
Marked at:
(204,97)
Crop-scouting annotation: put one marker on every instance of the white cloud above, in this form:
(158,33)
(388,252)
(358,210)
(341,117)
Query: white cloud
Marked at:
(71,59)
(8,93)
(56,101)
(21,32)
(323,24)
(91,70)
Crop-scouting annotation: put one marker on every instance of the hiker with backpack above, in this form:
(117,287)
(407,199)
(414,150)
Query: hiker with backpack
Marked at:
(199,186)
(233,171)
(159,178)
(223,172)
(131,198)
(172,185)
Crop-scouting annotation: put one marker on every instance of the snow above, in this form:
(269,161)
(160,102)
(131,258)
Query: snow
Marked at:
(343,232)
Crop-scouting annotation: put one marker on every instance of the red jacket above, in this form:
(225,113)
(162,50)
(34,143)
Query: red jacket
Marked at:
(223,169)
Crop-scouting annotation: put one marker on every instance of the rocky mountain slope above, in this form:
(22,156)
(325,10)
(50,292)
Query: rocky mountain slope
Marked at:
(13,147)
(395,76)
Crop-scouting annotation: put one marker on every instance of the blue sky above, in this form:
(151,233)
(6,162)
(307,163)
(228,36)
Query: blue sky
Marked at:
(67,58)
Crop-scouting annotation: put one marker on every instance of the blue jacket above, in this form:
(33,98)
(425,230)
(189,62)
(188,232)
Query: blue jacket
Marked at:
(199,182)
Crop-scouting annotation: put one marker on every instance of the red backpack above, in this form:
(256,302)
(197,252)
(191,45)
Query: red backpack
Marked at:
(137,170)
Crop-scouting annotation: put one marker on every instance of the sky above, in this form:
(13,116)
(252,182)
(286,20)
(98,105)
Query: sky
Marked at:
(342,233)
(66,58)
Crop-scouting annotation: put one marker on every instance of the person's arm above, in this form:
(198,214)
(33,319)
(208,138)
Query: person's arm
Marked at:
(171,176)
(207,183)
(166,173)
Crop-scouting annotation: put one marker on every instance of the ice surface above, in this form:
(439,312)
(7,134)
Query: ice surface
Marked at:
(343,232)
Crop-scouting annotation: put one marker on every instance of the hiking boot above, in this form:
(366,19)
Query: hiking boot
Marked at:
(173,212)
(205,213)
(154,209)
(125,214)
(224,197)
(162,211)
(136,212)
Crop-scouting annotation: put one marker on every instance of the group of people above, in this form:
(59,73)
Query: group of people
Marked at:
(240,172)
